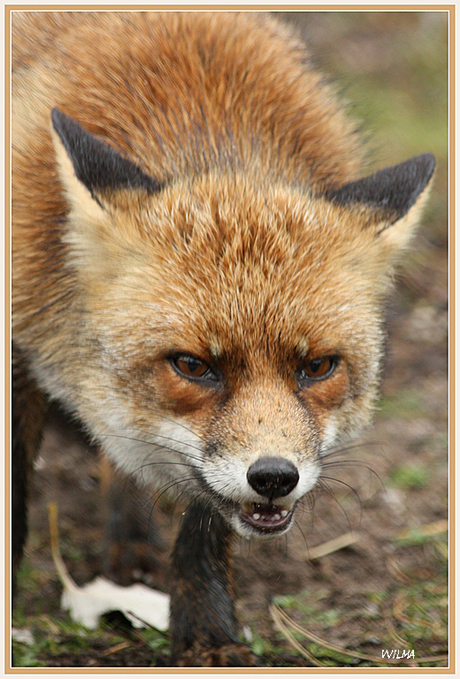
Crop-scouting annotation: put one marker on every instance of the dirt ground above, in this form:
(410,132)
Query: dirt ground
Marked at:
(387,590)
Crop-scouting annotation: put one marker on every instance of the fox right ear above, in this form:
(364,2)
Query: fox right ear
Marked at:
(395,197)
(392,191)
(93,164)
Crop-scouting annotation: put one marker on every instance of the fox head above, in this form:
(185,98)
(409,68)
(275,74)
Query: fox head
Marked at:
(231,323)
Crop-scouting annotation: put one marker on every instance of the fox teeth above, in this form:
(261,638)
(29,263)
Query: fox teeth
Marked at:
(250,508)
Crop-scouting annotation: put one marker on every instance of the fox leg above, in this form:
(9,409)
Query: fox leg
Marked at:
(29,407)
(132,542)
(203,621)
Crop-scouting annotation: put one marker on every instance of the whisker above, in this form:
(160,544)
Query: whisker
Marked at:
(353,463)
(310,500)
(338,449)
(165,462)
(194,499)
(325,488)
(152,443)
(165,418)
(164,489)
(151,502)
(139,470)
(347,485)
(304,537)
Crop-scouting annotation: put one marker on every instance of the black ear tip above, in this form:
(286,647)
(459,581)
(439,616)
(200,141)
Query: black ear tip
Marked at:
(392,190)
(64,126)
(58,119)
(426,164)
(97,164)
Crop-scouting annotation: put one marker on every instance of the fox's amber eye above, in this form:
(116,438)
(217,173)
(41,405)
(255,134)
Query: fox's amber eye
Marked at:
(192,368)
(317,369)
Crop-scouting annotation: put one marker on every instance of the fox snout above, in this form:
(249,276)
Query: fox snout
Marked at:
(259,497)
(273,477)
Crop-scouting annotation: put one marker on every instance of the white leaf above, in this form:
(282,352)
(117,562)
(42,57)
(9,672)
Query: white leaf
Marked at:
(139,603)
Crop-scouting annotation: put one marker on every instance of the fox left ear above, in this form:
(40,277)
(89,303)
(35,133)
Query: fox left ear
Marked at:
(97,181)
(86,161)
(395,196)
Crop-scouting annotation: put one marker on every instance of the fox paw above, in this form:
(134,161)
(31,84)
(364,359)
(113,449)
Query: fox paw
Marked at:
(230,655)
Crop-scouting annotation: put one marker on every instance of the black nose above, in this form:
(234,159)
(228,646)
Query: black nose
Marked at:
(273,476)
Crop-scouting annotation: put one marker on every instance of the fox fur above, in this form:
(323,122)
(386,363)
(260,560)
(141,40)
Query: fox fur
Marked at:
(188,194)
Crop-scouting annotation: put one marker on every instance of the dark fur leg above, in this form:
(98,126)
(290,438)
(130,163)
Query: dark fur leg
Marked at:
(203,622)
(132,543)
(19,496)
(28,417)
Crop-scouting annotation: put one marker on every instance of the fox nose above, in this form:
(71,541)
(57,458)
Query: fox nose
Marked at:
(273,476)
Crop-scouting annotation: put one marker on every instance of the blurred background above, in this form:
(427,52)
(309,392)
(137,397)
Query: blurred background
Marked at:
(365,568)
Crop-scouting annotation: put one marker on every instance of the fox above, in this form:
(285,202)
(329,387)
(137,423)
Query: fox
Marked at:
(200,263)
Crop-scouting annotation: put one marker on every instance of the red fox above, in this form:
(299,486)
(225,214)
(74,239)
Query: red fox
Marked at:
(199,268)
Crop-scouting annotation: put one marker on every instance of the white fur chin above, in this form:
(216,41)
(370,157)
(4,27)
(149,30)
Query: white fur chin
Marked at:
(247,532)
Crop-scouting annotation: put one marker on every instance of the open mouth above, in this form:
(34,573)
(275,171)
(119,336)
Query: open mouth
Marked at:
(268,518)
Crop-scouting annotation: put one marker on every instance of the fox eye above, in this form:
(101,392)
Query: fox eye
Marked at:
(192,368)
(316,370)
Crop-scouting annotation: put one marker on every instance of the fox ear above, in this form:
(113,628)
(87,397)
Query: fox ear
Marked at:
(93,163)
(395,196)
(392,191)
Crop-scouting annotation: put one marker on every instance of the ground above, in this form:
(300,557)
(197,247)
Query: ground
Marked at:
(386,590)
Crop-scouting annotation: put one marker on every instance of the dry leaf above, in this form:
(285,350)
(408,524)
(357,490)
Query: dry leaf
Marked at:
(140,604)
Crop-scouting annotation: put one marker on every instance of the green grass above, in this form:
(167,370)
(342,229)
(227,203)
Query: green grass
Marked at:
(413,615)
(409,476)
(406,404)
(56,636)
